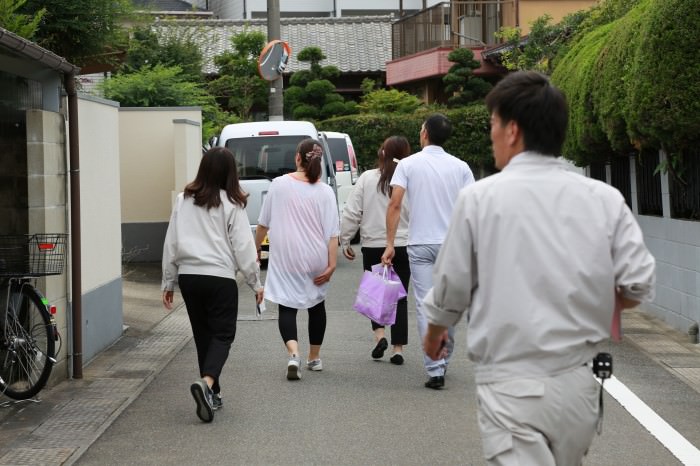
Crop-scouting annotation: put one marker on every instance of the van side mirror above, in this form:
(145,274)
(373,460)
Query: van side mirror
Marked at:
(213,141)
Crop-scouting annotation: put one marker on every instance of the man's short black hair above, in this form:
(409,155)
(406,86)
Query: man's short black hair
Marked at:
(539,109)
(438,128)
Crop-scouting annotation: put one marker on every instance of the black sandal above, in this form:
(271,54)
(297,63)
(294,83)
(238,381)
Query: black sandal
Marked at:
(397,359)
(378,351)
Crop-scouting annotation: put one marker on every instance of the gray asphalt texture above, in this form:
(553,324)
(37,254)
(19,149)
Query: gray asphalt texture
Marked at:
(357,411)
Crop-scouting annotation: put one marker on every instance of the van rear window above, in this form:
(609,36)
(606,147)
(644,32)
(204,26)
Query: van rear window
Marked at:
(339,153)
(264,156)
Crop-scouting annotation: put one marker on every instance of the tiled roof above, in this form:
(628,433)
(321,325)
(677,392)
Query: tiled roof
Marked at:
(353,44)
(165,5)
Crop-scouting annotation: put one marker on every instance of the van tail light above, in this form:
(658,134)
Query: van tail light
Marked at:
(268,133)
(353,164)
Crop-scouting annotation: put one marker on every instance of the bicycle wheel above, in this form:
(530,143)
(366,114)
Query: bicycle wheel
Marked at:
(27,348)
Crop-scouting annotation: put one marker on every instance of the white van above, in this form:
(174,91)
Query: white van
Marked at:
(344,162)
(265,150)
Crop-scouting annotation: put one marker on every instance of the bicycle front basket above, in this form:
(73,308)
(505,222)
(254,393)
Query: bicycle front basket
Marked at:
(32,255)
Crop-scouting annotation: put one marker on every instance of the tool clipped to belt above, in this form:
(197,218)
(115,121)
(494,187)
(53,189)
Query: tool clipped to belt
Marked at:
(603,369)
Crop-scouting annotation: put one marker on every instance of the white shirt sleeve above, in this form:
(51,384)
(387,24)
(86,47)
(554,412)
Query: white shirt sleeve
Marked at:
(633,263)
(352,212)
(243,246)
(455,275)
(170,251)
(468,176)
(400,177)
(266,209)
(331,222)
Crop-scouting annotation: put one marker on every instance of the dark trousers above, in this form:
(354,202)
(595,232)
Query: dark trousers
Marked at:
(212,306)
(373,256)
(287,322)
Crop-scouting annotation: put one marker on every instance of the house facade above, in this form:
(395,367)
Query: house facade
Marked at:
(257,9)
(358,46)
(421,42)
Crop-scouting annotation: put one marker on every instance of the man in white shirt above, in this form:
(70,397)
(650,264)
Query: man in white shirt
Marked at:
(541,259)
(431,180)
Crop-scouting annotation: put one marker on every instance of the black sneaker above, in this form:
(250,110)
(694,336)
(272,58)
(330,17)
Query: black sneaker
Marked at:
(203,397)
(436,383)
(378,351)
(216,401)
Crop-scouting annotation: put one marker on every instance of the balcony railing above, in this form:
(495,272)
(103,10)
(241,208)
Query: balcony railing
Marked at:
(462,23)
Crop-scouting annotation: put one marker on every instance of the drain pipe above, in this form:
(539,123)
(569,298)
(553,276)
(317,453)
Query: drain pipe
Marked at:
(76,269)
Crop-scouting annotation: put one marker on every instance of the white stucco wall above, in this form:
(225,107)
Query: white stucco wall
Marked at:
(147,141)
(160,149)
(100,204)
(100,224)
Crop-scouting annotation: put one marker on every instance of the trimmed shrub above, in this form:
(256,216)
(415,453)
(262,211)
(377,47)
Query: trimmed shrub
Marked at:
(470,139)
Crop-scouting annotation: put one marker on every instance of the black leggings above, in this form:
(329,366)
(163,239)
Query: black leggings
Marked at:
(287,322)
(373,256)
(212,306)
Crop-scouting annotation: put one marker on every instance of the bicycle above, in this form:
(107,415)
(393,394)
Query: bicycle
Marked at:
(28,331)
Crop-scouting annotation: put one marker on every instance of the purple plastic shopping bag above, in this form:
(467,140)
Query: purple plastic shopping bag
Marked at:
(377,296)
(379,268)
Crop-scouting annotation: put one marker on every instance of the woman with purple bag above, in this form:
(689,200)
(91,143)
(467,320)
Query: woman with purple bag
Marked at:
(365,210)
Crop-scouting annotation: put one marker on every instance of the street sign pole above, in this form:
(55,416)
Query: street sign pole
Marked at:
(275,102)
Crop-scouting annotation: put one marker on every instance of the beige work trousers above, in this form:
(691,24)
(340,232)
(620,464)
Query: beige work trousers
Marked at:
(543,421)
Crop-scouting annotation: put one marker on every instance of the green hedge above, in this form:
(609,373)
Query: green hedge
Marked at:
(612,77)
(575,75)
(633,81)
(470,137)
(664,102)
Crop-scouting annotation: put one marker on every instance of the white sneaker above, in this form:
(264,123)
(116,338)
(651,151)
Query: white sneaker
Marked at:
(293,372)
(314,365)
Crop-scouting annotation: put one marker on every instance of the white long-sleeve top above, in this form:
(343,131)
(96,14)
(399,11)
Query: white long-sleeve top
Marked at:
(215,241)
(533,256)
(366,209)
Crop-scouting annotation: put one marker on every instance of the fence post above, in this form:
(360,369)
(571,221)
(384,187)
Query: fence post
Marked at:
(633,184)
(665,189)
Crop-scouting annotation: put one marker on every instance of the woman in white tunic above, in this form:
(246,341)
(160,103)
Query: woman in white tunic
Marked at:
(300,215)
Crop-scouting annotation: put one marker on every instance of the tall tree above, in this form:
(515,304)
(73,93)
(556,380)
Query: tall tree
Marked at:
(239,87)
(83,31)
(311,93)
(460,80)
(161,86)
(146,48)
(13,20)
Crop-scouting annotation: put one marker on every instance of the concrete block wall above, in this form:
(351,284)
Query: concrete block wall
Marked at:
(675,244)
(48,211)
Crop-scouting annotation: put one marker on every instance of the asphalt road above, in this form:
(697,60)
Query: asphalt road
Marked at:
(356,411)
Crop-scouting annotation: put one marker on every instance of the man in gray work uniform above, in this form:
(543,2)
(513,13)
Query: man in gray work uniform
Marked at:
(539,258)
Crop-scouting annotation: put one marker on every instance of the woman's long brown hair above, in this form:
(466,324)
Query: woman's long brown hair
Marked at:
(217,171)
(394,147)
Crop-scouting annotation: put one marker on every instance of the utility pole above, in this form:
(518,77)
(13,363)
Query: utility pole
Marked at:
(276,101)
